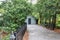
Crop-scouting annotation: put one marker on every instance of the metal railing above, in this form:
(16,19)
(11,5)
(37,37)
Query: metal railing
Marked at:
(20,32)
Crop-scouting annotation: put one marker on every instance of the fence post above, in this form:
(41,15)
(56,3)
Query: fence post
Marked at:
(12,37)
(0,35)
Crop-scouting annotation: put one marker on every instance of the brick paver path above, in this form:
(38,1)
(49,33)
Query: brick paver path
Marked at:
(37,32)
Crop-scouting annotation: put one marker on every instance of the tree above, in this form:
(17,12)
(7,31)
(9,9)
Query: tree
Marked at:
(15,13)
(48,10)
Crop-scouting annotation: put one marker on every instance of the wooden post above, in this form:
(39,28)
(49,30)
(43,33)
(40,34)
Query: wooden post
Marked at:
(12,37)
(1,35)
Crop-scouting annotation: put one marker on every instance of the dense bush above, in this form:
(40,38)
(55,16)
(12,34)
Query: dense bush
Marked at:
(15,13)
(58,21)
(48,10)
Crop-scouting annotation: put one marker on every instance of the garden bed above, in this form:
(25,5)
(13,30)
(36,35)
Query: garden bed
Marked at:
(57,30)
(26,36)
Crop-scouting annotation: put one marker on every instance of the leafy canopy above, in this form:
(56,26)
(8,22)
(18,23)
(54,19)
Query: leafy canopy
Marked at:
(15,13)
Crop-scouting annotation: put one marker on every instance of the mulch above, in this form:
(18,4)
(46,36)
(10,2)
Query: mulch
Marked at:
(56,30)
(26,36)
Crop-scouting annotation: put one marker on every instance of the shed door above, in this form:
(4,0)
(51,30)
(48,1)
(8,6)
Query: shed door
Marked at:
(29,21)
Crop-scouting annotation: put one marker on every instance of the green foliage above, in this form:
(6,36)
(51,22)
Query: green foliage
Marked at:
(58,21)
(36,15)
(15,13)
(48,9)
(7,37)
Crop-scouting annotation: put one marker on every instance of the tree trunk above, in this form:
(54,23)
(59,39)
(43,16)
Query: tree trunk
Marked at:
(40,18)
(54,22)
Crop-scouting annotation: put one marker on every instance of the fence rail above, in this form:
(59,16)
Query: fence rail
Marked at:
(20,32)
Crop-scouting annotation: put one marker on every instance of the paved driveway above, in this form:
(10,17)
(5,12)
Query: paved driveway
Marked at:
(37,32)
